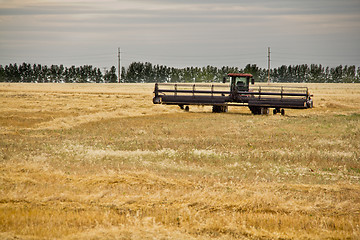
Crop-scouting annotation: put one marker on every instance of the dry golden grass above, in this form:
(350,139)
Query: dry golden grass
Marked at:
(100,161)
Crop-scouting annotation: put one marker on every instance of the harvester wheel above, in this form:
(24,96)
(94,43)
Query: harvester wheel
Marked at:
(276,110)
(187,108)
(264,111)
(216,109)
(255,110)
(282,112)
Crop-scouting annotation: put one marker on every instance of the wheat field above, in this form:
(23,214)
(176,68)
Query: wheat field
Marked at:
(100,161)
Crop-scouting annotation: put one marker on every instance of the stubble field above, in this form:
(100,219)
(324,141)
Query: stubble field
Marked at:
(100,161)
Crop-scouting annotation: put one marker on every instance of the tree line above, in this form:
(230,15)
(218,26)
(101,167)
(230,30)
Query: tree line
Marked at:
(146,72)
(38,73)
(139,72)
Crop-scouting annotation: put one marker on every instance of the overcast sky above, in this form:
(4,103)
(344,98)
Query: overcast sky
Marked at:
(180,33)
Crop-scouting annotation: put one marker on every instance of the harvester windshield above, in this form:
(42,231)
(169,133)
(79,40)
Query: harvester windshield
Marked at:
(240,81)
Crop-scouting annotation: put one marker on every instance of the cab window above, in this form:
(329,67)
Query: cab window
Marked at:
(240,82)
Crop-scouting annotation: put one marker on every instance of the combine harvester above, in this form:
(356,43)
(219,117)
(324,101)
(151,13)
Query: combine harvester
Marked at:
(220,96)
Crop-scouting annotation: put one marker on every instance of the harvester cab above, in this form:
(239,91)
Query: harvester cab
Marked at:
(240,82)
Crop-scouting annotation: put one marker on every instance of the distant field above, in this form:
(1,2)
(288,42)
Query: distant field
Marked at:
(100,161)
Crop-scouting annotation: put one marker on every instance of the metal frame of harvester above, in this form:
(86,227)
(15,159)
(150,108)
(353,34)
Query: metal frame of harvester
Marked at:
(258,99)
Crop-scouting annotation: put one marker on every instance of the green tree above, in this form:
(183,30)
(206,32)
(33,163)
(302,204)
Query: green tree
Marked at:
(147,73)
(349,74)
(252,69)
(36,70)
(25,71)
(316,73)
(54,73)
(110,76)
(123,74)
(45,73)
(12,73)
(60,73)
(2,74)
(174,75)
(135,72)
(282,73)
(336,74)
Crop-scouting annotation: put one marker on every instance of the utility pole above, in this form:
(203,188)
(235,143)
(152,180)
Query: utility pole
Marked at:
(119,65)
(268,65)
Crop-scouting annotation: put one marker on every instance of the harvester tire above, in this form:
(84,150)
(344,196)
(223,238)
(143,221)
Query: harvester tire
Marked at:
(255,110)
(264,111)
(216,109)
